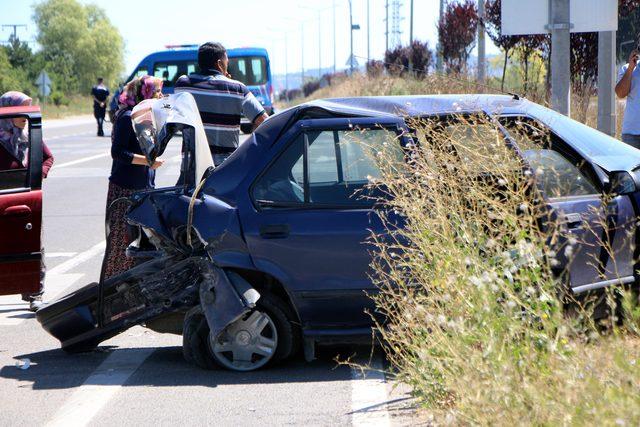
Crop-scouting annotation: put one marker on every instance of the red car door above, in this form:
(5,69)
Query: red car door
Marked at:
(21,212)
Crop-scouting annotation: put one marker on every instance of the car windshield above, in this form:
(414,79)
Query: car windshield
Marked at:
(250,70)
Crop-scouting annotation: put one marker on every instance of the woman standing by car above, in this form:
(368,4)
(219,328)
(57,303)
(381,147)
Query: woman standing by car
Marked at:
(130,172)
(14,146)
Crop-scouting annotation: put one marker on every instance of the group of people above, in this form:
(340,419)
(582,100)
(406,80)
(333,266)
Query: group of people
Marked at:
(221,101)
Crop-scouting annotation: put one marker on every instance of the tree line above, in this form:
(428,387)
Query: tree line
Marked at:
(77,44)
(457,35)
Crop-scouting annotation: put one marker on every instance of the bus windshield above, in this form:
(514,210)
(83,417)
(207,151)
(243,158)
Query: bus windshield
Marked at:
(250,70)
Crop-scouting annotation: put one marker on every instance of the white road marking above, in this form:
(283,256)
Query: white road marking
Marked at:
(78,259)
(99,388)
(78,161)
(13,310)
(73,135)
(369,396)
(59,254)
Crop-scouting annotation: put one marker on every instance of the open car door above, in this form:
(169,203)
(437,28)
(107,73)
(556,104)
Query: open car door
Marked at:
(21,212)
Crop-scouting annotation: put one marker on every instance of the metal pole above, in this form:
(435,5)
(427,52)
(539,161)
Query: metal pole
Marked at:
(386,33)
(319,48)
(301,55)
(482,66)
(351,32)
(606,82)
(560,56)
(439,48)
(411,23)
(286,67)
(334,36)
(368,34)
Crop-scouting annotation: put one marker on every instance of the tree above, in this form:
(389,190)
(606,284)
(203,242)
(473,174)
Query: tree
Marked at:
(628,28)
(12,78)
(457,33)
(525,45)
(417,57)
(79,44)
(420,57)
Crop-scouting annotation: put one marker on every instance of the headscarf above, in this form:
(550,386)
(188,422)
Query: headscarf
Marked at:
(139,89)
(12,138)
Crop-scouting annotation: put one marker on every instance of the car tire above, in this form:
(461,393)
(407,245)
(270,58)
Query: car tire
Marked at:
(199,349)
(246,128)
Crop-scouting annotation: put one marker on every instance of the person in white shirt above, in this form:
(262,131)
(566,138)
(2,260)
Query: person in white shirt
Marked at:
(628,87)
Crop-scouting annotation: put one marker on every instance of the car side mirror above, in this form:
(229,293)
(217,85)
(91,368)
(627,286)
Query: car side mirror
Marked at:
(621,182)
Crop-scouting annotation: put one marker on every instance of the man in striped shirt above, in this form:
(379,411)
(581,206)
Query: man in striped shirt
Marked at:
(221,100)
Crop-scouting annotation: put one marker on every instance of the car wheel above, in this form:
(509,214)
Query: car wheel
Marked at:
(264,336)
(246,128)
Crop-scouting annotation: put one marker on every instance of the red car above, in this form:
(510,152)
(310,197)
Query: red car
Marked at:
(21,212)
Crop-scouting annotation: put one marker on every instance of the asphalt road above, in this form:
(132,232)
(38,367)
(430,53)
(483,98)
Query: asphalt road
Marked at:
(140,377)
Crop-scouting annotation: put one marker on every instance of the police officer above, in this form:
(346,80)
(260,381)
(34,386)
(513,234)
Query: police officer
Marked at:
(100,95)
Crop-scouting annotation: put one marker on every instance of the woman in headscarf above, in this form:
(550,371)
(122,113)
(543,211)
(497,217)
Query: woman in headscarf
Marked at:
(130,172)
(14,154)
(14,139)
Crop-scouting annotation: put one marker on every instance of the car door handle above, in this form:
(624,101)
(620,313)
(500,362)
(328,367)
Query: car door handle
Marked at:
(19,210)
(573,220)
(274,231)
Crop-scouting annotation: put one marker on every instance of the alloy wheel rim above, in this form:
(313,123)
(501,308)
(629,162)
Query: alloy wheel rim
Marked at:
(247,344)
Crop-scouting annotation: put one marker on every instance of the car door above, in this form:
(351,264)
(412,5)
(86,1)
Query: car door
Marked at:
(21,213)
(602,231)
(314,216)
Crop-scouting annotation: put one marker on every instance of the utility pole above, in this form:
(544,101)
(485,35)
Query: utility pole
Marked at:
(411,23)
(368,34)
(482,65)
(560,27)
(606,82)
(319,46)
(15,28)
(438,47)
(351,32)
(334,36)
(286,67)
(301,55)
(386,32)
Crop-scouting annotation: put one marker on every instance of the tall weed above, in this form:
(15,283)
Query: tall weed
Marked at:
(475,301)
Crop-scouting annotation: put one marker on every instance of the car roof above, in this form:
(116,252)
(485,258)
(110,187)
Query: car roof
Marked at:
(419,105)
(191,53)
(11,111)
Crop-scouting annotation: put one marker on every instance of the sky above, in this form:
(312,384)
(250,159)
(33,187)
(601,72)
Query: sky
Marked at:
(288,29)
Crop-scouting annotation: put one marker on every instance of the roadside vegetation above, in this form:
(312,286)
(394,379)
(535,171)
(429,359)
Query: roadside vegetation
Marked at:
(74,105)
(77,43)
(479,323)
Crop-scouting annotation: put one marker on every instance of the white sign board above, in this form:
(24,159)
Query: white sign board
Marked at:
(532,16)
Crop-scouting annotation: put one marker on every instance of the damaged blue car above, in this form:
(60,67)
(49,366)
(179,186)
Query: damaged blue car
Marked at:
(267,254)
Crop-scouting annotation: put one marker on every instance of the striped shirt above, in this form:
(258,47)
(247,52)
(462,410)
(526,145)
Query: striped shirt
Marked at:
(222,102)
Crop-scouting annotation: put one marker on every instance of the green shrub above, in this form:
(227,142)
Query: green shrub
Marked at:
(59,99)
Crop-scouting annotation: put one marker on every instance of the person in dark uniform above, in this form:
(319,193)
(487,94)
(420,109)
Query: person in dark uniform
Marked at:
(100,95)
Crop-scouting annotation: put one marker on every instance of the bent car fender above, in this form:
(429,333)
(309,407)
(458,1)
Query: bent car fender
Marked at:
(225,297)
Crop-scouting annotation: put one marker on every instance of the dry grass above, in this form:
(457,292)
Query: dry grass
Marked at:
(78,105)
(363,85)
(477,323)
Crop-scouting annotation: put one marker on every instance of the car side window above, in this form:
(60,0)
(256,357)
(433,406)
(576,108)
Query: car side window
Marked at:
(556,176)
(14,174)
(336,170)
